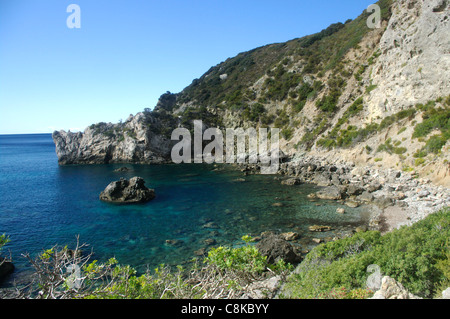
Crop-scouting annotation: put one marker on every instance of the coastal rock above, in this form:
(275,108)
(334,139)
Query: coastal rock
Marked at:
(330,192)
(211,225)
(291,181)
(373,187)
(209,241)
(366,197)
(446,293)
(140,139)
(323,179)
(391,289)
(174,242)
(127,191)
(351,204)
(289,236)
(201,252)
(263,289)
(319,228)
(275,247)
(277,204)
(383,201)
(354,189)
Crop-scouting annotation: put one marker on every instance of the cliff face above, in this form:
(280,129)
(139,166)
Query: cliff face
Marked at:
(414,66)
(369,96)
(138,140)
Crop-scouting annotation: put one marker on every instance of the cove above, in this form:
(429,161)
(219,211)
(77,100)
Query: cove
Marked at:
(197,206)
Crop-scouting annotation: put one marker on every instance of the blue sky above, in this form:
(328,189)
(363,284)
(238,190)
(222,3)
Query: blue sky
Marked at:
(127,53)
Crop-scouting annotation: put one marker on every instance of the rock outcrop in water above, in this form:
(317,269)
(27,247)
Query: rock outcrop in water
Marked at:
(127,192)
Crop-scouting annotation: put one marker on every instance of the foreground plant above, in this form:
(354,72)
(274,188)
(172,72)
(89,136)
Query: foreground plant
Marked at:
(62,273)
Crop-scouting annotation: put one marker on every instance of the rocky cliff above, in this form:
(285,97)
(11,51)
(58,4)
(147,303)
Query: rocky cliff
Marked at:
(414,64)
(377,97)
(140,139)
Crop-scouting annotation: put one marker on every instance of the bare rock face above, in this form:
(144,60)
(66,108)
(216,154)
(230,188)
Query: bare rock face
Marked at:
(127,192)
(140,139)
(391,289)
(414,65)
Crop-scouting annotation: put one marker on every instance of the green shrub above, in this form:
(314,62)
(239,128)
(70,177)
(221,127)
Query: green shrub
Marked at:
(419,161)
(245,259)
(326,143)
(421,153)
(328,102)
(298,107)
(389,148)
(356,107)
(433,119)
(287,133)
(416,256)
(435,144)
(3,241)
(370,88)
(400,131)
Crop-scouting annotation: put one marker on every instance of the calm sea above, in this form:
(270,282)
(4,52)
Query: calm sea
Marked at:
(43,204)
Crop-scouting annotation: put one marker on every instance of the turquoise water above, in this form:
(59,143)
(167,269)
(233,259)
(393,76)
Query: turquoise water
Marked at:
(43,204)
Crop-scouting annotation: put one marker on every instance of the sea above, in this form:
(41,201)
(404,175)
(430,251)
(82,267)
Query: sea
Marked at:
(197,206)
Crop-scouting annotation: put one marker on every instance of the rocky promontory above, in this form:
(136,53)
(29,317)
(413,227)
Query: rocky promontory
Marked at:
(142,138)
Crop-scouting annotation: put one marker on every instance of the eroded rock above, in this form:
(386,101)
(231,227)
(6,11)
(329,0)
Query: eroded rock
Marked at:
(127,191)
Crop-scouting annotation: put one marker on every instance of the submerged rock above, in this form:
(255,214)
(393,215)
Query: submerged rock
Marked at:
(319,228)
(174,242)
(292,181)
(290,236)
(127,191)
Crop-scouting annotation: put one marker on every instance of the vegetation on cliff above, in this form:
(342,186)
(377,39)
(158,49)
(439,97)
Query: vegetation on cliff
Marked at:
(417,256)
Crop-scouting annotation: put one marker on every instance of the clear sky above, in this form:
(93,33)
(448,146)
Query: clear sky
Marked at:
(128,52)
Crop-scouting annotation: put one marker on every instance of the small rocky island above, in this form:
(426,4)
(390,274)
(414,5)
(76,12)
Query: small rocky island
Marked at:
(127,191)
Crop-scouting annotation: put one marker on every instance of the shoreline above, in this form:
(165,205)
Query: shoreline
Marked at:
(396,198)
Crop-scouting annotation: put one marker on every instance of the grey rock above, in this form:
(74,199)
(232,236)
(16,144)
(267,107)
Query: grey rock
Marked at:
(264,289)
(373,187)
(139,140)
(391,289)
(383,201)
(322,179)
(446,293)
(292,181)
(416,38)
(331,192)
(275,247)
(365,197)
(354,189)
(423,193)
(127,191)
